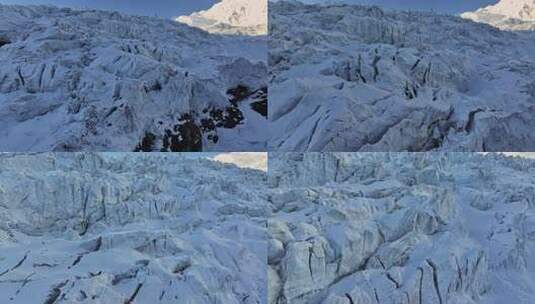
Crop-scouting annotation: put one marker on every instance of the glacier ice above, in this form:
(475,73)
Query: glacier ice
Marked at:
(131,228)
(356,78)
(316,228)
(401,228)
(88,80)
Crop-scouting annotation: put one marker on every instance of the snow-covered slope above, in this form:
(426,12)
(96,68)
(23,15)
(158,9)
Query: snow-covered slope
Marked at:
(131,228)
(236,17)
(357,78)
(101,81)
(244,160)
(401,228)
(506,15)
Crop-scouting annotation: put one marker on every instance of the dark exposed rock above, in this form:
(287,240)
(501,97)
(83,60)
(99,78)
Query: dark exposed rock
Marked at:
(233,117)
(153,86)
(185,137)
(261,107)
(214,138)
(260,101)
(207,124)
(182,266)
(238,94)
(147,143)
(229,118)
(4,41)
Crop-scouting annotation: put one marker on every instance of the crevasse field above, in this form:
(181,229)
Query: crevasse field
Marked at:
(348,78)
(83,220)
(89,80)
(328,228)
(401,228)
(122,228)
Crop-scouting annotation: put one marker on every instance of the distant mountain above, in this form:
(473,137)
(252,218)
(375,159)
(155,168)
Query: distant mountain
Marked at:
(506,15)
(244,159)
(236,17)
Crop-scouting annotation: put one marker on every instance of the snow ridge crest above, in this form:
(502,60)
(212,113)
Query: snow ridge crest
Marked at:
(506,15)
(234,17)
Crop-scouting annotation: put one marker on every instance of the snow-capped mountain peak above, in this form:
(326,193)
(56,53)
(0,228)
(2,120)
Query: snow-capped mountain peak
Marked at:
(517,9)
(250,160)
(506,15)
(244,17)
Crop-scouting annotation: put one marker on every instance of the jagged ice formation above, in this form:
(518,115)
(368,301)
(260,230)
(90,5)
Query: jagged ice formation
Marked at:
(87,80)
(396,228)
(129,228)
(357,78)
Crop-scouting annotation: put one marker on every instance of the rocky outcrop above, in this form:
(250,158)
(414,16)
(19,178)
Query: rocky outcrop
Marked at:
(63,89)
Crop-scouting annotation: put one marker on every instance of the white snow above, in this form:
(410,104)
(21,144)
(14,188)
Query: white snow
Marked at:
(401,228)
(357,78)
(244,17)
(521,154)
(87,80)
(244,160)
(518,9)
(94,228)
(506,15)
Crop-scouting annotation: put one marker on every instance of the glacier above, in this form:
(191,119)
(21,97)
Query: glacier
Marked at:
(398,228)
(131,228)
(89,80)
(315,228)
(348,78)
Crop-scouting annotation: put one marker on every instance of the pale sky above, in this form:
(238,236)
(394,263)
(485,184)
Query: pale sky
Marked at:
(442,6)
(173,8)
(161,8)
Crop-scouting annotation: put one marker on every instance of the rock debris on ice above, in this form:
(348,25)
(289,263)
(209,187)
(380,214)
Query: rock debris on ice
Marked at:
(88,80)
